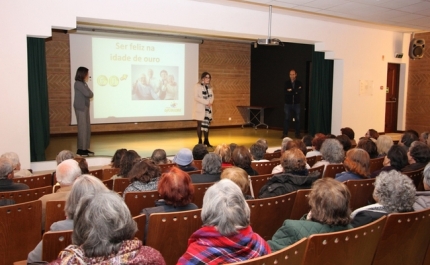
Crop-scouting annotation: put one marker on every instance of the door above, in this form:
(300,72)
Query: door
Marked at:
(392,95)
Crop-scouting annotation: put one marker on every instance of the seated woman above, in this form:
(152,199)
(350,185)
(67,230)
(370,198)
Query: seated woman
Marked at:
(144,176)
(184,160)
(211,169)
(240,177)
(103,233)
(356,163)
(383,144)
(83,165)
(331,152)
(199,151)
(369,146)
(127,161)
(159,156)
(224,151)
(329,202)
(116,159)
(176,193)
(422,199)
(393,193)
(226,235)
(85,185)
(372,133)
(396,159)
(242,158)
(418,156)
(294,177)
(316,145)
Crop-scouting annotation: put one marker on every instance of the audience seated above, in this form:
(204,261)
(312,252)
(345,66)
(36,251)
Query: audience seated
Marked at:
(394,193)
(294,177)
(422,199)
(264,143)
(18,172)
(64,155)
(6,176)
(329,203)
(396,159)
(199,151)
(85,185)
(126,164)
(373,134)
(144,176)
(67,172)
(287,146)
(284,142)
(226,235)
(224,151)
(307,140)
(83,165)
(418,156)
(369,146)
(242,158)
(316,145)
(383,144)
(345,141)
(184,160)
(356,164)
(176,193)
(350,133)
(407,138)
(103,233)
(232,147)
(211,169)
(159,156)
(240,177)
(257,152)
(331,152)
(424,137)
(116,159)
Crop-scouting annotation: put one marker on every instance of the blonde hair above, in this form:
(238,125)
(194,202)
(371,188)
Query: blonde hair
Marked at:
(238,176)
(223,150)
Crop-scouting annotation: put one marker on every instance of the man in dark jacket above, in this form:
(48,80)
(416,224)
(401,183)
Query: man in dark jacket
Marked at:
(293,89)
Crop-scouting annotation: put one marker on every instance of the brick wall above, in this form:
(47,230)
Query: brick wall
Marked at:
(228,63)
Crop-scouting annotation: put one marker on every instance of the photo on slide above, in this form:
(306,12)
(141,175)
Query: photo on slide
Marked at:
(151,82)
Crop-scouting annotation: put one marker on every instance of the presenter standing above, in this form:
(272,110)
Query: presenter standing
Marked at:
(81,104)
(203,100)
(293,89)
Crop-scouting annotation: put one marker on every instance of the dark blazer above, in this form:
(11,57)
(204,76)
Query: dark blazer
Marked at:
(293,96)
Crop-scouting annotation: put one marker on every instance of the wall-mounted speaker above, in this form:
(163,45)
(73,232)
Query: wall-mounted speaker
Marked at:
(416,48)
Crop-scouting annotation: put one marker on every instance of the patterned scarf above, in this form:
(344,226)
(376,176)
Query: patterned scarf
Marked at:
(206,95)
(208,246)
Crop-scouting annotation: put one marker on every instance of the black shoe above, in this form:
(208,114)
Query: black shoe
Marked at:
(82,152)
(89,152)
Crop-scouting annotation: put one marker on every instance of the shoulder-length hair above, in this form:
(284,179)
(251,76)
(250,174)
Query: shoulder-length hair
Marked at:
(357,161)
(293,160)
(81,73)
(223,150)
(127,162)
(175,187)
(242,157)
(116,158)
(329,202)
(144,171)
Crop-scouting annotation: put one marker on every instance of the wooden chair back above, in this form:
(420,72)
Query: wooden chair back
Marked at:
(36,181)
(166,167)
(361,192)
(376,164)
(139,200)
(319,169)
(405,239)
(194,172)
(257,182)
(417,178)
(21,196)
(349,247)
(311,160)
(301,204)
(19,230)
(109,172)
(292,254)
(333,169)
(169,232)
(54,242)
(264,168)
(54,213)
(270,156)
(198,164)
(141,225)
(199,192)
(268,214)
(97,173)
(108,183)
(119,184)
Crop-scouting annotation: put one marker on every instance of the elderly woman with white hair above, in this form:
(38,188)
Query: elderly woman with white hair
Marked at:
(422,199)
(394,193)
(226,235)
(104,232)
(211,169)
(18,172)
(332,153)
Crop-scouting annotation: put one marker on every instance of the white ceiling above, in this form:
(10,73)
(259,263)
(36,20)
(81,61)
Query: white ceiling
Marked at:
(400,15)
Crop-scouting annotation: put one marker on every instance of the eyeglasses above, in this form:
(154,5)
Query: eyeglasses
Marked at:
(208,77)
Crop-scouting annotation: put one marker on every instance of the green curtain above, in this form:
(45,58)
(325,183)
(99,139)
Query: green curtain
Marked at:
(37,98)
(320,94)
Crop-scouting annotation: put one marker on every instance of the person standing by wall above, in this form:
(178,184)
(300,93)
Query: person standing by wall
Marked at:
(81,104)
(203,100)
(293,90)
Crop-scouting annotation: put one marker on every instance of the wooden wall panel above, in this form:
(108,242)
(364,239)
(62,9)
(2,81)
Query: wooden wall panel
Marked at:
(228,63)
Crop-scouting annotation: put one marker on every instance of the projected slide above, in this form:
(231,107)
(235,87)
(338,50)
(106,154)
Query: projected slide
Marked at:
(138,80)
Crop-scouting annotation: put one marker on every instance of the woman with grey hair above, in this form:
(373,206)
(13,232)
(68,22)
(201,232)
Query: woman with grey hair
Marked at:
(226,236)
(383,144)
(85,185)
(211,169)
(104,234)
(18,172)
(332,153)
(422,199)
(394,193)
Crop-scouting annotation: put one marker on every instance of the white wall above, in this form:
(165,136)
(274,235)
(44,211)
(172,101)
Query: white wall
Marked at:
(357,50)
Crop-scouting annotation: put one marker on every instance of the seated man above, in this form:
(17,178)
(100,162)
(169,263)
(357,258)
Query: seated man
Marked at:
(66,173)
(6,176)
(199,151)
(18,172)
(257,151)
